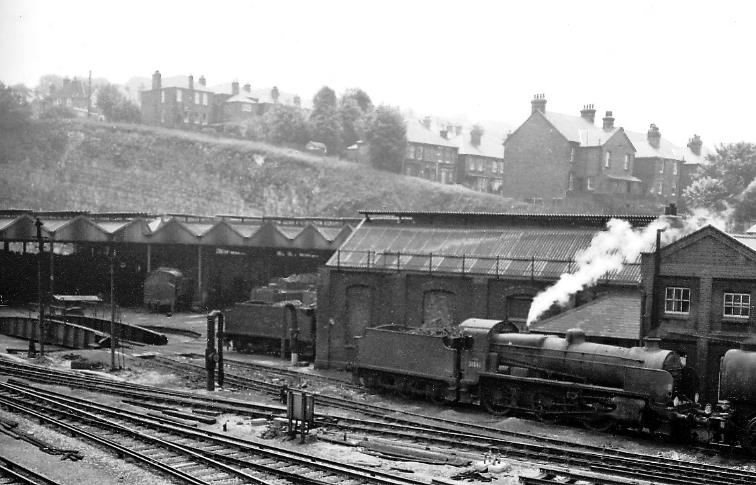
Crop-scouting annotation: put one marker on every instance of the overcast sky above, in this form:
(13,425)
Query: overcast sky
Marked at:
(687,66)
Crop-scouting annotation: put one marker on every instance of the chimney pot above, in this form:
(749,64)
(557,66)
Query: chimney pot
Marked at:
(248,88)
(156,81)
(191,81)
(588,113)
(695,144)
(608,121)
(235,88)
(427,122)
(654,136)
(475,135)
(538,103)
(202,81)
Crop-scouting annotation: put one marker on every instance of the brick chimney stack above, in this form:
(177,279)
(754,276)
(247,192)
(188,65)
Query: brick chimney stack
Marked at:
(475,135)
(234,88)
(156,81)
(608,121)
(695,144)
(427,122)
(654,136)
(191,81)
(247,88)
(202,81)
(588,113)
(538,103)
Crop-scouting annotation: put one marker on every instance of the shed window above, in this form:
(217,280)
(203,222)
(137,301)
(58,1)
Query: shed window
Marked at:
(677,300)
(737,305)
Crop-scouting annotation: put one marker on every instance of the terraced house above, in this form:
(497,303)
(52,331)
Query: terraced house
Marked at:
(429,155)
(481,160)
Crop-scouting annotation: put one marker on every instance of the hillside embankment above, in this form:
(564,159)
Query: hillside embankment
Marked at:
(106,167)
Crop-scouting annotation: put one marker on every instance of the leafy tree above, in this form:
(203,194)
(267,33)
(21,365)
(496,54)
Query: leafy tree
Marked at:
(285,125)
(727,180)
(360,96)
(325,123)
(15,112)
(58,112)
(352,121)
(386,133)
(115,106)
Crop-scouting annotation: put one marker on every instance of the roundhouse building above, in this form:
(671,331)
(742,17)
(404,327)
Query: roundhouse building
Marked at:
(433,270)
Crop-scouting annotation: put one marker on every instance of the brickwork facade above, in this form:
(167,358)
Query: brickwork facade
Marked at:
(703,293)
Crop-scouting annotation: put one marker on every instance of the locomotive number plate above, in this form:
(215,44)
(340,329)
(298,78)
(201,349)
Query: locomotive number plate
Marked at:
(474,363)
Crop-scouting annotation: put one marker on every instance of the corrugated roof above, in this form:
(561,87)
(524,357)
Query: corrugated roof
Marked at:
(417,133)
(515,251)
(490,145)
(643,149)
(613,316)
(577,129)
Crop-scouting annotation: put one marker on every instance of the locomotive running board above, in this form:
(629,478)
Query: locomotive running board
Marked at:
(562,384)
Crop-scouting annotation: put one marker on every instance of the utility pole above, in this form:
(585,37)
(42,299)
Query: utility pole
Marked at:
(112,310)
(40,290)
(89,96)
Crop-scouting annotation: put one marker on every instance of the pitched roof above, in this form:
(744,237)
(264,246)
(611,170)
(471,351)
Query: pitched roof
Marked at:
(417,133)
(614,316)
(577,129)
(183,82)
(490,145)
(645,150)
(242,97)
(691,158)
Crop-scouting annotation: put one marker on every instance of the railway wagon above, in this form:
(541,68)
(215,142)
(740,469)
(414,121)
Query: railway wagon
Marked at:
(167,288)
(278,328)
(547,376)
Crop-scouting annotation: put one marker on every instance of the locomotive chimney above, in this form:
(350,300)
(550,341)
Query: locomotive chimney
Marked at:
(652,343)
(575,336)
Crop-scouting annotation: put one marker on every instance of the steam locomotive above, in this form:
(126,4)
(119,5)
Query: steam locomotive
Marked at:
(488,362)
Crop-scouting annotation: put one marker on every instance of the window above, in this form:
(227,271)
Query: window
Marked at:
(677,300)
(410,151)
(571,182)
(162,96)
(589,183)
(196,98)
(627,161)
(737,305)
(418,153)
(661,187)
(661,166)
(674,168)
(607,159)
(572,154)
(246,107)
(204,99)
(178,95)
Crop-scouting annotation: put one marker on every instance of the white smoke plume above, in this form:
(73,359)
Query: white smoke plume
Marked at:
(611,249)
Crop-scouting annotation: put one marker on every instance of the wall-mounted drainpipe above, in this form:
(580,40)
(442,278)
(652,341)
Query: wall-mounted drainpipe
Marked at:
(210,354)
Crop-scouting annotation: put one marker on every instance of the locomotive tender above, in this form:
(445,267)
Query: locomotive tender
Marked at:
(551,377)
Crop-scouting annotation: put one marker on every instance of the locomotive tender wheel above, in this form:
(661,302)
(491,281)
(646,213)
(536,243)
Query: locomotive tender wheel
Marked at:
(598,423)
(749,436)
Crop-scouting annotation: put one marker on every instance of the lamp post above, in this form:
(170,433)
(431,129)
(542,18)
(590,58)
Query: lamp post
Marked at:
(40,290)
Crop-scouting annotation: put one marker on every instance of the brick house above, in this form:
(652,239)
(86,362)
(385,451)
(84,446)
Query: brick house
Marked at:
(429,155)
(480,160)
(73,93)
(658,163)
(552,155)
(434,270)
(699,294)
(179,104)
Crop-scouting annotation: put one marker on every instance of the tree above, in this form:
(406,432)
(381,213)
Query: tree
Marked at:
(325,124)
(352,121)
(15,112)
(727,180)
(359,96)
(386,133)
(115,106)
(285,125)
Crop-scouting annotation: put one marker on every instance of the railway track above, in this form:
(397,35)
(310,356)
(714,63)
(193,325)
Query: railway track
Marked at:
(186,453)
(465,436)
(12,473)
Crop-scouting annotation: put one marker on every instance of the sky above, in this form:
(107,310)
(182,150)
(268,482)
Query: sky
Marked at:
(686,66)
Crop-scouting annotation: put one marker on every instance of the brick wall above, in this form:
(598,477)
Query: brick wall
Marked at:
(536,161)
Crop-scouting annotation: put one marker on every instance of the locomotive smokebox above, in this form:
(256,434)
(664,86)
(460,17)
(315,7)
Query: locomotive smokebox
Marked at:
(652,343)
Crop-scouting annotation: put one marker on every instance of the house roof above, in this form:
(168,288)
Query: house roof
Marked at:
(577,129)
(614,316)
(691,158)
(490,145)
(242,97)
(483,248)
(645,150)
(417,133)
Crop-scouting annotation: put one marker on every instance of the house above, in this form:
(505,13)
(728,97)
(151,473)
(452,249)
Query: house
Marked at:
(695,155)
(698,298)
(180,104)
(316,147)
(553,155)
(73,93)
(435,269)
(429,155)
(480,159)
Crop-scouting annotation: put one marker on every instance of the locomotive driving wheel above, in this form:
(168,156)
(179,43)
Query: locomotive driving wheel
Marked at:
(598,422)
(749,436)
(497,401)
(545,408)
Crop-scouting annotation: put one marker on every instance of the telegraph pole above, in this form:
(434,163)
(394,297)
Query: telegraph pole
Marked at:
(112,310)
(40,290)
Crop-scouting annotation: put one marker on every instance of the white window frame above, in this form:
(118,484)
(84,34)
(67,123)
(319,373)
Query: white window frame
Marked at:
(677,300)
(196,98)
(607,159)
(661,166)
(571,182)
(179,95)
(627,161)
(739,305)
(204,99)
(589,183)
(674,168)
(162,96)
(572,154)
